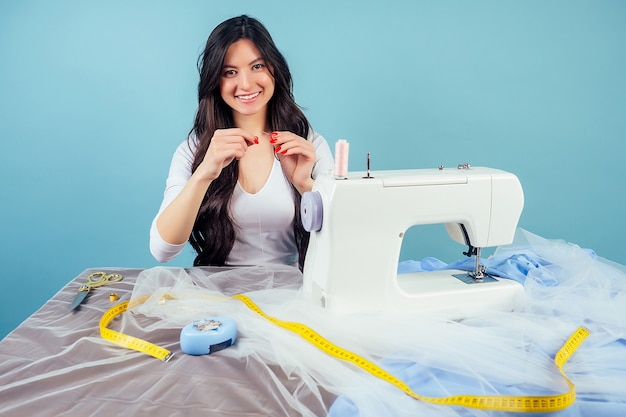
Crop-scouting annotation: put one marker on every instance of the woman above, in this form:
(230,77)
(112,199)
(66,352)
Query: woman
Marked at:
(235,184)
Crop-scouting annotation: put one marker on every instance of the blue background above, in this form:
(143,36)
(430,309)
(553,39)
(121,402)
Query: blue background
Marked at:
(95,96)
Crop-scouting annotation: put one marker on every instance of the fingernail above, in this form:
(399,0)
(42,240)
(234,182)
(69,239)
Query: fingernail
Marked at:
(273,140)
(256,140)
(277,149)
(284,152)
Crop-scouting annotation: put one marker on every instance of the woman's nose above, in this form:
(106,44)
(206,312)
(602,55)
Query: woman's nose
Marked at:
(245,80)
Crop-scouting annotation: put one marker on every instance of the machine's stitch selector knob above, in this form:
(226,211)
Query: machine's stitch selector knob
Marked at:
(311,211)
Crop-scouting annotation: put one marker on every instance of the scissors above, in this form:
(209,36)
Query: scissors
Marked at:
(97,279)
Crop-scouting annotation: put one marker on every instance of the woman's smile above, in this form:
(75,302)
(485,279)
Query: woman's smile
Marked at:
(248,97)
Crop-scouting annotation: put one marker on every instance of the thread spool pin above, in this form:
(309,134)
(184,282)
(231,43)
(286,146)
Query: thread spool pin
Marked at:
(368,166)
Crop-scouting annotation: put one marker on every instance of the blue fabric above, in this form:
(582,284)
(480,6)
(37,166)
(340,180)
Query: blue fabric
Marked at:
(551,273)
(515,267)
(430,382)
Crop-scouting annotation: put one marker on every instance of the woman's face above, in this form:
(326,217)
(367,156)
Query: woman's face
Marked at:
(246,84)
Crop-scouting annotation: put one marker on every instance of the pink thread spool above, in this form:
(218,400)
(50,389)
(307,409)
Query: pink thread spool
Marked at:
(342,147)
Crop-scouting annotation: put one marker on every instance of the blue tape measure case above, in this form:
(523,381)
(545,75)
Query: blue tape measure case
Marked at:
(208,335)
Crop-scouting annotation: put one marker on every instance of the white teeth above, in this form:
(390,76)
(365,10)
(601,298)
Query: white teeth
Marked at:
(251,96)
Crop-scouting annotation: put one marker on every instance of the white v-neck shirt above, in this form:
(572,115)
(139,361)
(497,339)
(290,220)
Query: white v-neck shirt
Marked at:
(263,221)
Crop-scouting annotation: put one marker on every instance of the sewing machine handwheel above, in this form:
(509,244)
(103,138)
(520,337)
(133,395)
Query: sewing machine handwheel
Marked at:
(311,211)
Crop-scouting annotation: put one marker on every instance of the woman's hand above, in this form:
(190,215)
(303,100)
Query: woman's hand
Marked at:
(226,145)
(297,157)
(177,219)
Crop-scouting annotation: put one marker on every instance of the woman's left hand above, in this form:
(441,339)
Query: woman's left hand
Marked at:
(297,157)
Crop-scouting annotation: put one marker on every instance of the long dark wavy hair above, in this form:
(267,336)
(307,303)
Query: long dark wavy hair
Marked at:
(213,234)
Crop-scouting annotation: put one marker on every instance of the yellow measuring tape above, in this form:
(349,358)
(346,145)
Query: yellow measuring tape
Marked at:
(127,341)
(511,403)
(545,403)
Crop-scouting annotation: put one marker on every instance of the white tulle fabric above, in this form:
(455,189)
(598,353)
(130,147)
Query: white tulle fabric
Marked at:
(496,353)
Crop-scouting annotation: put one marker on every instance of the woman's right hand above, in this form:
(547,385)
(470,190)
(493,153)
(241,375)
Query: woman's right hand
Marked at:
(176,221)
(226,145)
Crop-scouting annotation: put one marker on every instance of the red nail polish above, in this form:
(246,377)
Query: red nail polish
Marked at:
(277,149)
(273,140)
(256,140)
(284,152)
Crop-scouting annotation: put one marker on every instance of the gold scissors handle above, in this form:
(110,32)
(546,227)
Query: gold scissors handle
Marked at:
(98,279)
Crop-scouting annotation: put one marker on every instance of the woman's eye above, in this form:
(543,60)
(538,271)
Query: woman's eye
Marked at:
(230,73)
(257,66)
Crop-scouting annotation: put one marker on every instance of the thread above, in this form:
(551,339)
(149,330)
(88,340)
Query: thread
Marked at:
(342,148)
(261,242)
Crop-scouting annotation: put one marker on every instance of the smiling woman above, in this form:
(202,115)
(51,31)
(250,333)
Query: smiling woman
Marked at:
(226,192)
(97,95)
(247,84)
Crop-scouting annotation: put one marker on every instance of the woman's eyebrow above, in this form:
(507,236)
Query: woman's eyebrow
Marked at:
(254,61)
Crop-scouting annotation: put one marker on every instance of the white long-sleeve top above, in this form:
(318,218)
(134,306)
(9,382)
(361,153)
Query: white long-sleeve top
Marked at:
(262,221)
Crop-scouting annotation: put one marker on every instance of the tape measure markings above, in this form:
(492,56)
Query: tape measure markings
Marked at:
(546,403)
(127,341)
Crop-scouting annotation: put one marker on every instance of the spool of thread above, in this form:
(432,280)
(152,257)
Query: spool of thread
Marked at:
(342,148)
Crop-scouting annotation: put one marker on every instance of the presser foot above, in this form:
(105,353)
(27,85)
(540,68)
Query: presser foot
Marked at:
(471,278)
(479,274)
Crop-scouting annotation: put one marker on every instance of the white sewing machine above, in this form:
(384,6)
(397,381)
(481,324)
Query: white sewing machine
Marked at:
(357,226)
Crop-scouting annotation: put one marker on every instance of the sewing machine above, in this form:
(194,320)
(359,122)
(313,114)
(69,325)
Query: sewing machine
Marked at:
(358,222)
